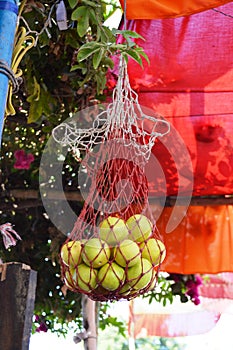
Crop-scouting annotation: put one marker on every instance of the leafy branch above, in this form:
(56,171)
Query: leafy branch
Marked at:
(94,56)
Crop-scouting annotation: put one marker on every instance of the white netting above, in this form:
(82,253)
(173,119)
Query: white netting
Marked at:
(114,250)
(123,114)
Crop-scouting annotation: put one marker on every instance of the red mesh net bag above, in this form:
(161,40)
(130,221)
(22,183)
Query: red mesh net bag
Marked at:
(114,250)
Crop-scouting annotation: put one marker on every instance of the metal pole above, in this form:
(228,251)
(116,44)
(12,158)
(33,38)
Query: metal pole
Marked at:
(8,22)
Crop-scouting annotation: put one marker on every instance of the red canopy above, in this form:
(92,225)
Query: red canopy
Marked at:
(189,82)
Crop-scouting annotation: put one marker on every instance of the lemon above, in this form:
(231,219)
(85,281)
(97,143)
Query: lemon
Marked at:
(69,279)
(111,275)
(153,250)
(85,277)
(140,227)
(71,253)
(140,275)
(127,253)
(113,230)
(95,252)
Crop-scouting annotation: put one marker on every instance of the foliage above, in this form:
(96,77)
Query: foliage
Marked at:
(169,285)
(111,336)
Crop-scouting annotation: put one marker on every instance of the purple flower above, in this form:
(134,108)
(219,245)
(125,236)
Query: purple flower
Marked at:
(196,301)
(37,318)
(190,284)
(23,160)
(198,280)
(42,327)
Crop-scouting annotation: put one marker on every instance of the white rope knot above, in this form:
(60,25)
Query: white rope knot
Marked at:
(16,81)
(7,232)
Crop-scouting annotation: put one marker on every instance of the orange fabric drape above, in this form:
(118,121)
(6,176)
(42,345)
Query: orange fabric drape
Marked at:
(153,9)
(201,243)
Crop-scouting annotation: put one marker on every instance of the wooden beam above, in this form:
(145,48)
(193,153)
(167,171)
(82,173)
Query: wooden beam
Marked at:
(17,296)
(195,201)
(75,196)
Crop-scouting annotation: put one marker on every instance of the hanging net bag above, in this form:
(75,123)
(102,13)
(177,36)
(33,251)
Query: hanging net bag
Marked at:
(114,250)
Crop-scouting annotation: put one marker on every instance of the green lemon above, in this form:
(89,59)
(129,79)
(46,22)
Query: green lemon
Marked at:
(153,250)
(85,277)
(113,230)
(140,275)
(140,227)
(110,276)
(71,253)
(95,252)
(127,253)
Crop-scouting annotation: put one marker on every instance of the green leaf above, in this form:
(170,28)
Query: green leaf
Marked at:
(90,3)
(84,53)
(73,3)
(81,14)
(97,57)
(133,54)
(127,34)
(93,16)
(71,39)
(142,53)
(83,25)
(101,82)
(107,35)
(78,13)
(107,61)
(125,56)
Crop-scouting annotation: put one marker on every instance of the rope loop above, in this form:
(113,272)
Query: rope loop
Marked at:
(16,81)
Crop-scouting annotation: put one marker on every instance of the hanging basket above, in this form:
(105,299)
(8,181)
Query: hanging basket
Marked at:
(114,250)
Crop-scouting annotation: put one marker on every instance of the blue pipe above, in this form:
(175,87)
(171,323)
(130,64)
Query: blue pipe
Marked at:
(8,22)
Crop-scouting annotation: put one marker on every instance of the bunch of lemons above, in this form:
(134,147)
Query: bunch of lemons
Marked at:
(121,261)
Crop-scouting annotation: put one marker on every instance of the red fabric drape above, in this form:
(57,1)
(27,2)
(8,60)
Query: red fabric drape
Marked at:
(218,286)
(152,9)
(189,82)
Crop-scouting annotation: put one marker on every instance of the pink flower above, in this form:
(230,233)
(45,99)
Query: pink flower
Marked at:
(23,160)
(7,230)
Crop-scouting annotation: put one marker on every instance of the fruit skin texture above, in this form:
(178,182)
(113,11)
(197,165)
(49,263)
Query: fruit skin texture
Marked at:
(69,281)
(140,227)
(110,276)
(71,253)
(95,252)
(140,275)
(113,230)
(127,253)
(153,250)
(86,277)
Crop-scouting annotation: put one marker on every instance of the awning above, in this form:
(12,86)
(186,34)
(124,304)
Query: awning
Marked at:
(152,9)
